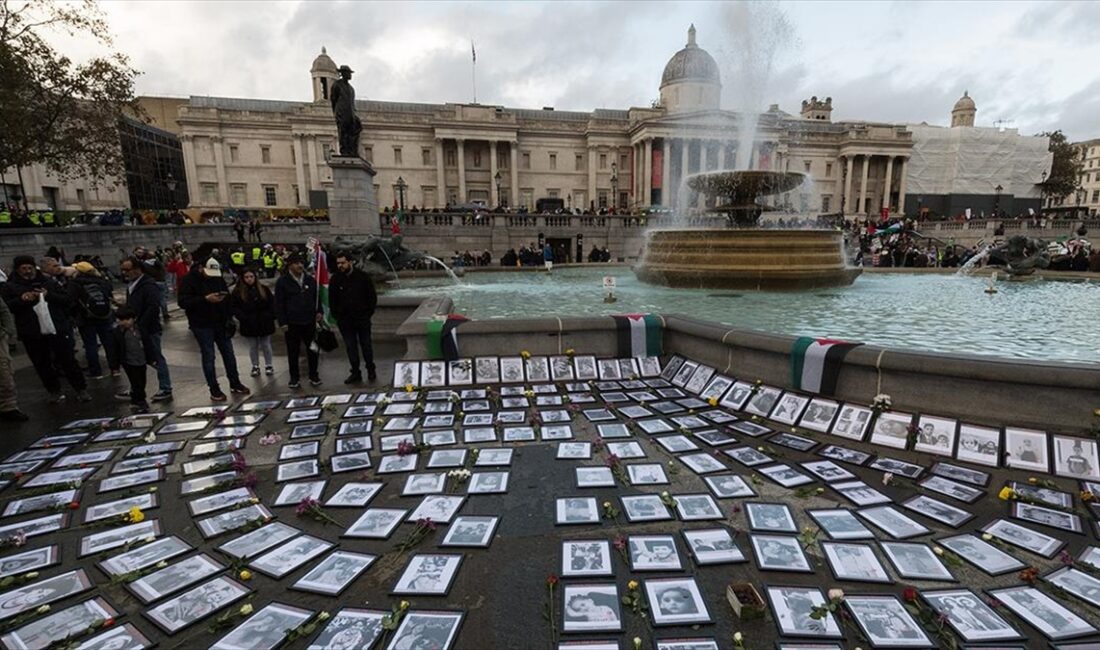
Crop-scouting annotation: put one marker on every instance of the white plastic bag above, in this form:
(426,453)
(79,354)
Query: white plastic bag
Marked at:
(45,321)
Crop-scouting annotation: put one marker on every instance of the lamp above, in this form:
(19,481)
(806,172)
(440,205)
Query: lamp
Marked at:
(401,185)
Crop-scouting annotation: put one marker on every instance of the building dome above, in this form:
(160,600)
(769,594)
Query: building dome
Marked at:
(965,103)
(323,63)
(692,63)
(964,111)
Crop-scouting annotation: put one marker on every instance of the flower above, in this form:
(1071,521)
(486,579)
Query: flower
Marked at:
(909,595)
(32,575)
(525,354)
(1096,412)
(109,622)
(881,401)
(836,594)
(737,638)
(987,537)
(607,504)
(632,585)
(637,643)
(73,505)
(245,575)
(713,401)
(619,542)
(150,437)
(408,388)
(887,478)
(404,605)
(136,516)
(246,609)
(1006,493)
(153,489)
(323,616)
(551,580)
(42,609)
(937,550)
(161,564)
(1033,480)
(664,494)
(570,352)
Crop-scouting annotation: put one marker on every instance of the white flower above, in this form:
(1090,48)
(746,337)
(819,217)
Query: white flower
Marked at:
(882,400)
(150,437)
(836,594)
(887,478)
(737,637)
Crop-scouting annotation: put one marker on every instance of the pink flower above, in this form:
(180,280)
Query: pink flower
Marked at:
(249,480)
(612,460)
(425,522)
(404,448)
(238,464)
(619,542)
(306,505)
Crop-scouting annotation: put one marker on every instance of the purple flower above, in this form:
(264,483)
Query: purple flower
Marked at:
(306,505)
(612,460)
(404,448)
(249,480)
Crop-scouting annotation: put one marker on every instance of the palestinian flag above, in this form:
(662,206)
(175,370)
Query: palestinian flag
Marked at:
(816,363)
(321,262)
(639,335)
(443,337)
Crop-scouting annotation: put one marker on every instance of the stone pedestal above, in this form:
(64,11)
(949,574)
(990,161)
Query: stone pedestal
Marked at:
(352,204)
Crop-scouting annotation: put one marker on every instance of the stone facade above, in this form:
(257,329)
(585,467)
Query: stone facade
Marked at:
(1088,198)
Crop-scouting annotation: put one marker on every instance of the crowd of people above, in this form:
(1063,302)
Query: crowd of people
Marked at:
(49,304)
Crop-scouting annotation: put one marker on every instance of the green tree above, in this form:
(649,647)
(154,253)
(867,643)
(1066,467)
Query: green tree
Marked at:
(54,111)
(1065,170)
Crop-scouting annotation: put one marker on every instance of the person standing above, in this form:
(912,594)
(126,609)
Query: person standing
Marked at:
(352,300)
(94,317)
(9,404)
(131,351)
(143,296)
(204,297)
(238,227)
(548,256)
(47,336)
(254,307)
(297,311)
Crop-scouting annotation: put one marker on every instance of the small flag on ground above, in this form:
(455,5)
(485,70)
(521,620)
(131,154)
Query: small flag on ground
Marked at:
(816,363)
(322,282)
(639,335)
(443,337)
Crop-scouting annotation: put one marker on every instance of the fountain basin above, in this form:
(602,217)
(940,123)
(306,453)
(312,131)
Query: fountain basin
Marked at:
(745,259)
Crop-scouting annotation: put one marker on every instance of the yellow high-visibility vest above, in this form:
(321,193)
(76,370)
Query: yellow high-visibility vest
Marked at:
(34,218)
(238,258)
(5,216)
(47,217)
(256,252)
(269,261)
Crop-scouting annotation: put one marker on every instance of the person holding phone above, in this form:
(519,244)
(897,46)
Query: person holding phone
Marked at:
(204,297)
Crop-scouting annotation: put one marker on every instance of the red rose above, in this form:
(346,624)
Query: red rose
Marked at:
(910,595)
(73,505)
(552,580)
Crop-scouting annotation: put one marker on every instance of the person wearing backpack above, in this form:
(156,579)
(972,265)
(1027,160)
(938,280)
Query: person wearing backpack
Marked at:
(253,305)
(95,318)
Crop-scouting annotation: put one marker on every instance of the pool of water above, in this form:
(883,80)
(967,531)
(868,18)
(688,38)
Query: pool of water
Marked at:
(1036,319)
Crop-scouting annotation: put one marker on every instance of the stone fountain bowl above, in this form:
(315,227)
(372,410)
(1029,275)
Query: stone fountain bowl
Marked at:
(743,187)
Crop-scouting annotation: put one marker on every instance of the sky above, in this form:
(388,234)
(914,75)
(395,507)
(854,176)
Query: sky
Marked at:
(1028,65)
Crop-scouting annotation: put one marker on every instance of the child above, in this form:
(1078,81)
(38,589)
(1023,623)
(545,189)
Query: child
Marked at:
(131,353)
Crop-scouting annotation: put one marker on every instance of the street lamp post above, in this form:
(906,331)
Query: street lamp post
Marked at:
(1042,192)
(171,184)
(997,200)
(615,186)
(401,185)
(497,179)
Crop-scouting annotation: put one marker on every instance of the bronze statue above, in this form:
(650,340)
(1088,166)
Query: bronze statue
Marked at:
(348,125)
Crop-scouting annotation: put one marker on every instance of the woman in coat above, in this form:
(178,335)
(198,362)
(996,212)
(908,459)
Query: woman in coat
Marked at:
(254,307)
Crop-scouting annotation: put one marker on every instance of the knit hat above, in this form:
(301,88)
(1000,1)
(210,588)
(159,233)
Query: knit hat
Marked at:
(84,267)
(20,260)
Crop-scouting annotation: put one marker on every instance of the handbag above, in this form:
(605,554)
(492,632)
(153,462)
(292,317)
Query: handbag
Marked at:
(230,328)
(45,321)
(326,339)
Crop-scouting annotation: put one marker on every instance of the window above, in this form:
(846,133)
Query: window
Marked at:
(234,153)
(624,198)
(624,160)
(426,157)
(553,194)
(477,158)
(525,160)
(209,193)
(527,197)
(601,199)
(1095,196)
(503,159)
(553,161)
(603,161)
(825,200)
(450,157)
(238,194)
(265,154)
(828,169)
(429,198)
(297,196)
(503,198)
(271,199)
(397,156)
(368,154)
(326,151)
(578,162)
(807,165)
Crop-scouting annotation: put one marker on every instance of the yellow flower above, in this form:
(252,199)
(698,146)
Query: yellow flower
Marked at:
(987,536)
(245,575)
(1006,493)
(632,585)
(1033,480)
(570,352)
(713,401)
(525,354)
(323,616)
(1096,412)
(246,609)
(607,504)
(408,388)
(937,550)
(136,515)
(404,605)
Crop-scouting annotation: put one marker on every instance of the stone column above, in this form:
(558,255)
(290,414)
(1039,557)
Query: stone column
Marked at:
(850,161)
(190,169)
(901,185)
(685,146)
(637,175)
(219,162)
(666,172)
(314,163)
(440,175)
(700,198)
(591,176)
(513,147)
(721,156)
(494,196)
(889,181)
(300,169)
(461,144)
(647,172)
(863,183)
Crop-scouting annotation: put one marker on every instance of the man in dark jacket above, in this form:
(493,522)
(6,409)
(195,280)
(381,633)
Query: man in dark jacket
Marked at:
(204,296)
(49,352)
(143,295)
(94,317)
(352,299)
(296,310)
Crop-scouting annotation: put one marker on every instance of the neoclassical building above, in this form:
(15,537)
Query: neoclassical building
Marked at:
(256,153)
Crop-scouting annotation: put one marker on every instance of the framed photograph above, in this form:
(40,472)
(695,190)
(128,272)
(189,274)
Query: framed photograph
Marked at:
(27,561)
(440,508)
(886,623)
(895,466)
(785,475)
(667,408)
(302,415)
(854,562)
(477,420)
(844,454)
(427,629)
(32,595)
(54,628)
(953,489)
(394,464)
(232,520)
(144,463)
(827,471)
(644,507)
(891,429)
(792,441)
(672,367)
(1023,537)
(391,443)
(511,370)
(349,629)
(748,456)
(702,463)
(585,368)
(1042,612)
(649,366)
(676,444)
(39,526)
(494,457)
(217,447)
(676,601)
(487,370)
(358,412)
(770,517)
(401,424)
(293,493)
(60,499)
(982,554)
(433,374)
(227,432)
(195,604)
(348,444)
(428,575)
(819,414)
(257,541)
(616,430)
(654,553)
(264,630)
(561,368)
(130,480)
(174,577)
(964,474)
(609,369)
(935,435)
(840,524)
(283,559)
(471,531)
(353,495)
(750,429)
(586,557)
(714,438)
(1026,449)
(1075,458)
(125,636)
(712,546)
(334,573)
(577,510)
(538,369)
(791,608)
(295,450)
(477,435)
(406,373)
(736,397)
(115,537)
(309,431)
(970,618)
(1049,517)
(892,522)
(763,401)
(350,462)
(376,523)
(199,466)
(626,450)
(727,486)
(788,409)
(716,388)
(945,513)
(87,458)
(574,451)
(1082,585)
(488,483)
(779,553)
(446,458)
(296,470)
(591,608)
(421,484)
(915,561)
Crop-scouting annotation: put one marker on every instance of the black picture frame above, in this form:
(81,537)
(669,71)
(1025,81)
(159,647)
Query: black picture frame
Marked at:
(453,564)
(832,552)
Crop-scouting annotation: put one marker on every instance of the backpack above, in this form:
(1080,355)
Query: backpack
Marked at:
(95,301)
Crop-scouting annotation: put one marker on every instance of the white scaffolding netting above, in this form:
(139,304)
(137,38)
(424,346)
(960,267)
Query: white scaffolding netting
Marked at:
(975,160)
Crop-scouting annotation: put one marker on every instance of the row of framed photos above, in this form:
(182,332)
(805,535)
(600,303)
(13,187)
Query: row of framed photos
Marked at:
(513,370)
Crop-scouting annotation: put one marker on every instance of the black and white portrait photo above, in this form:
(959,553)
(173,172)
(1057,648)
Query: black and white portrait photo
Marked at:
(644,507)
(763,401)
(440,508)
(428,574)
(353,495)
(27,561)
(488,483)
(296,470)
(591,608)
(376,523)
(222,523)
(1026,449)
(471,531)
(886,622)
(770,517)
(840,524)
(421,484)
(1043,612)
(728,486)
(487,370)
(406,373)
(944,513)
(1025,538)
(935,435)
(433,374)
(586,558)
(789,408)
(293,493)
(895,524)
(779,553)
(174,577)
(1050,517)
(819,414)
(42,592)
(982,554)
(354,462)
(702,463)
(855,562)
(676,601)
(257,541)
(144,556)
(891,429)
(712,546)
(915,561)
(970,617)
(335,572)
(426,629)
(264,629)
(792,607)
(653,553)
(291,555)
(577,510)
(350,629)
(115,537)
(1076,458)
(196,604)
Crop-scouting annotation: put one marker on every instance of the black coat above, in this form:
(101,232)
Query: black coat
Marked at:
(26,321)
(201,313)
(352,297)
(296,304)
(144,299)
(256,315)
(78,288)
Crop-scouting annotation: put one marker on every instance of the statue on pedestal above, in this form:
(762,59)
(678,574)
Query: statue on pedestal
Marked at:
(348,125)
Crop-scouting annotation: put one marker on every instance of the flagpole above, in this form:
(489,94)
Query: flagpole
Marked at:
(473,69)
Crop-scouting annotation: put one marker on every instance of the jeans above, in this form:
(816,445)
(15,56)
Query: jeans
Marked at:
(164,380)
(209,338)
(92,333)
(51,353)
(255,345)
(356,335)
(296,337)
(163,298)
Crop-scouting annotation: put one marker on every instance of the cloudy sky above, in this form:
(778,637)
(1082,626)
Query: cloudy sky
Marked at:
(1028,63)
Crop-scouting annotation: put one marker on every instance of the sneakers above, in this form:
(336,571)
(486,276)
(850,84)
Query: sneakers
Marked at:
(83,396)
(354,378)
(269,371)
(255,371)
(57,398)
(372,376)
(124,396)
(14,415)
(116,372)
(159,396)
(97,377)
(315,381)
(295,384)
(239,390)
(139,408)
(218,397)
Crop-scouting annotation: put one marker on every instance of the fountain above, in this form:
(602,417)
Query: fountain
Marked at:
(742,256)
